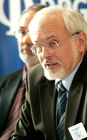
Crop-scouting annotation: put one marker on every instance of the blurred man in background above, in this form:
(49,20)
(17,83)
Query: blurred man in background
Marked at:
(12,86)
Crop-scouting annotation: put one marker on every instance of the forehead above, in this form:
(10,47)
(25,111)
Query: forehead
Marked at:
(47,27)
(26,18)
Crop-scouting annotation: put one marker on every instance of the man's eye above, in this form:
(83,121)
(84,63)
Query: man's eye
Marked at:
(22,32)
(52,43)
(38,46)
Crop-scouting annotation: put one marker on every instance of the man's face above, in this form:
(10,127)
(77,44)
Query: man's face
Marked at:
(59,62)
(23,39)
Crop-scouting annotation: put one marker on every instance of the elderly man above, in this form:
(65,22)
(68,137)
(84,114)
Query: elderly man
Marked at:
(57,91)
(12,86)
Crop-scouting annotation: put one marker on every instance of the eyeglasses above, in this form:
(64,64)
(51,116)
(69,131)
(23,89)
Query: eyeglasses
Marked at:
(21,32)
(38,48)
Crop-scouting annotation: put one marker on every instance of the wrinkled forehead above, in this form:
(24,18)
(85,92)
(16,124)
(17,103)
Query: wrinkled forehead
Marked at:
(44,23)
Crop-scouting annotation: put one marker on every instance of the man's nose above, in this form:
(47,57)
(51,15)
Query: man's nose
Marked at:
(46,52)
(26,39)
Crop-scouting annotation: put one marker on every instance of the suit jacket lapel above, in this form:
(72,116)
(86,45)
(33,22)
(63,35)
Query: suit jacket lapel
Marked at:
(6,100)
(48,102)
(73,106)
(75,95)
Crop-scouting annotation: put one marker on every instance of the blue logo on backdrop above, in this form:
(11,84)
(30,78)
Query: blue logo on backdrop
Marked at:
(10,11)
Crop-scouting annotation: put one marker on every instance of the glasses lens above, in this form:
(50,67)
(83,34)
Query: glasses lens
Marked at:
(33,49)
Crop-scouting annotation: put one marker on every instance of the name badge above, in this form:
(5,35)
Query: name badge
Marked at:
(78,131)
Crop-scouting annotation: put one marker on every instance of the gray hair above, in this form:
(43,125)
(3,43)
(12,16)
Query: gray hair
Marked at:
(73,20)
(34,7)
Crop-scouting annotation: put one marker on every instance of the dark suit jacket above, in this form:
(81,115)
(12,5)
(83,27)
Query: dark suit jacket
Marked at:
(38,119)
(9,85)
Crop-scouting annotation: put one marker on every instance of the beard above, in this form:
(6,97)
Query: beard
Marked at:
(54,74)
(28,59)
(60,73)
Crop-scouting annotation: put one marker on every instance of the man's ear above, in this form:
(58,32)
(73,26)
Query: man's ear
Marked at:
(82,41)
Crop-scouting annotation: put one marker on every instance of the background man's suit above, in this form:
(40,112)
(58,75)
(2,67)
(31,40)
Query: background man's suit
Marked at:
(9,85)
(41,105)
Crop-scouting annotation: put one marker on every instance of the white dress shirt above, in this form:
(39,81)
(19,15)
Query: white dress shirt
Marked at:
(68,80)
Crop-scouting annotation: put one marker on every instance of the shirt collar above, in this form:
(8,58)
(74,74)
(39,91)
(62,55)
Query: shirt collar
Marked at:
(68,80)
(24,74)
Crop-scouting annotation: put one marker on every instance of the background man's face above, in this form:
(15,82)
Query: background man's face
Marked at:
(24,42)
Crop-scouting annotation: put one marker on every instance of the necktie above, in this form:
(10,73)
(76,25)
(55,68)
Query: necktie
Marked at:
(61,105)
(14,113)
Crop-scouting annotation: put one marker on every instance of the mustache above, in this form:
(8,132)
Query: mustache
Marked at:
(51,61)
(25,47)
